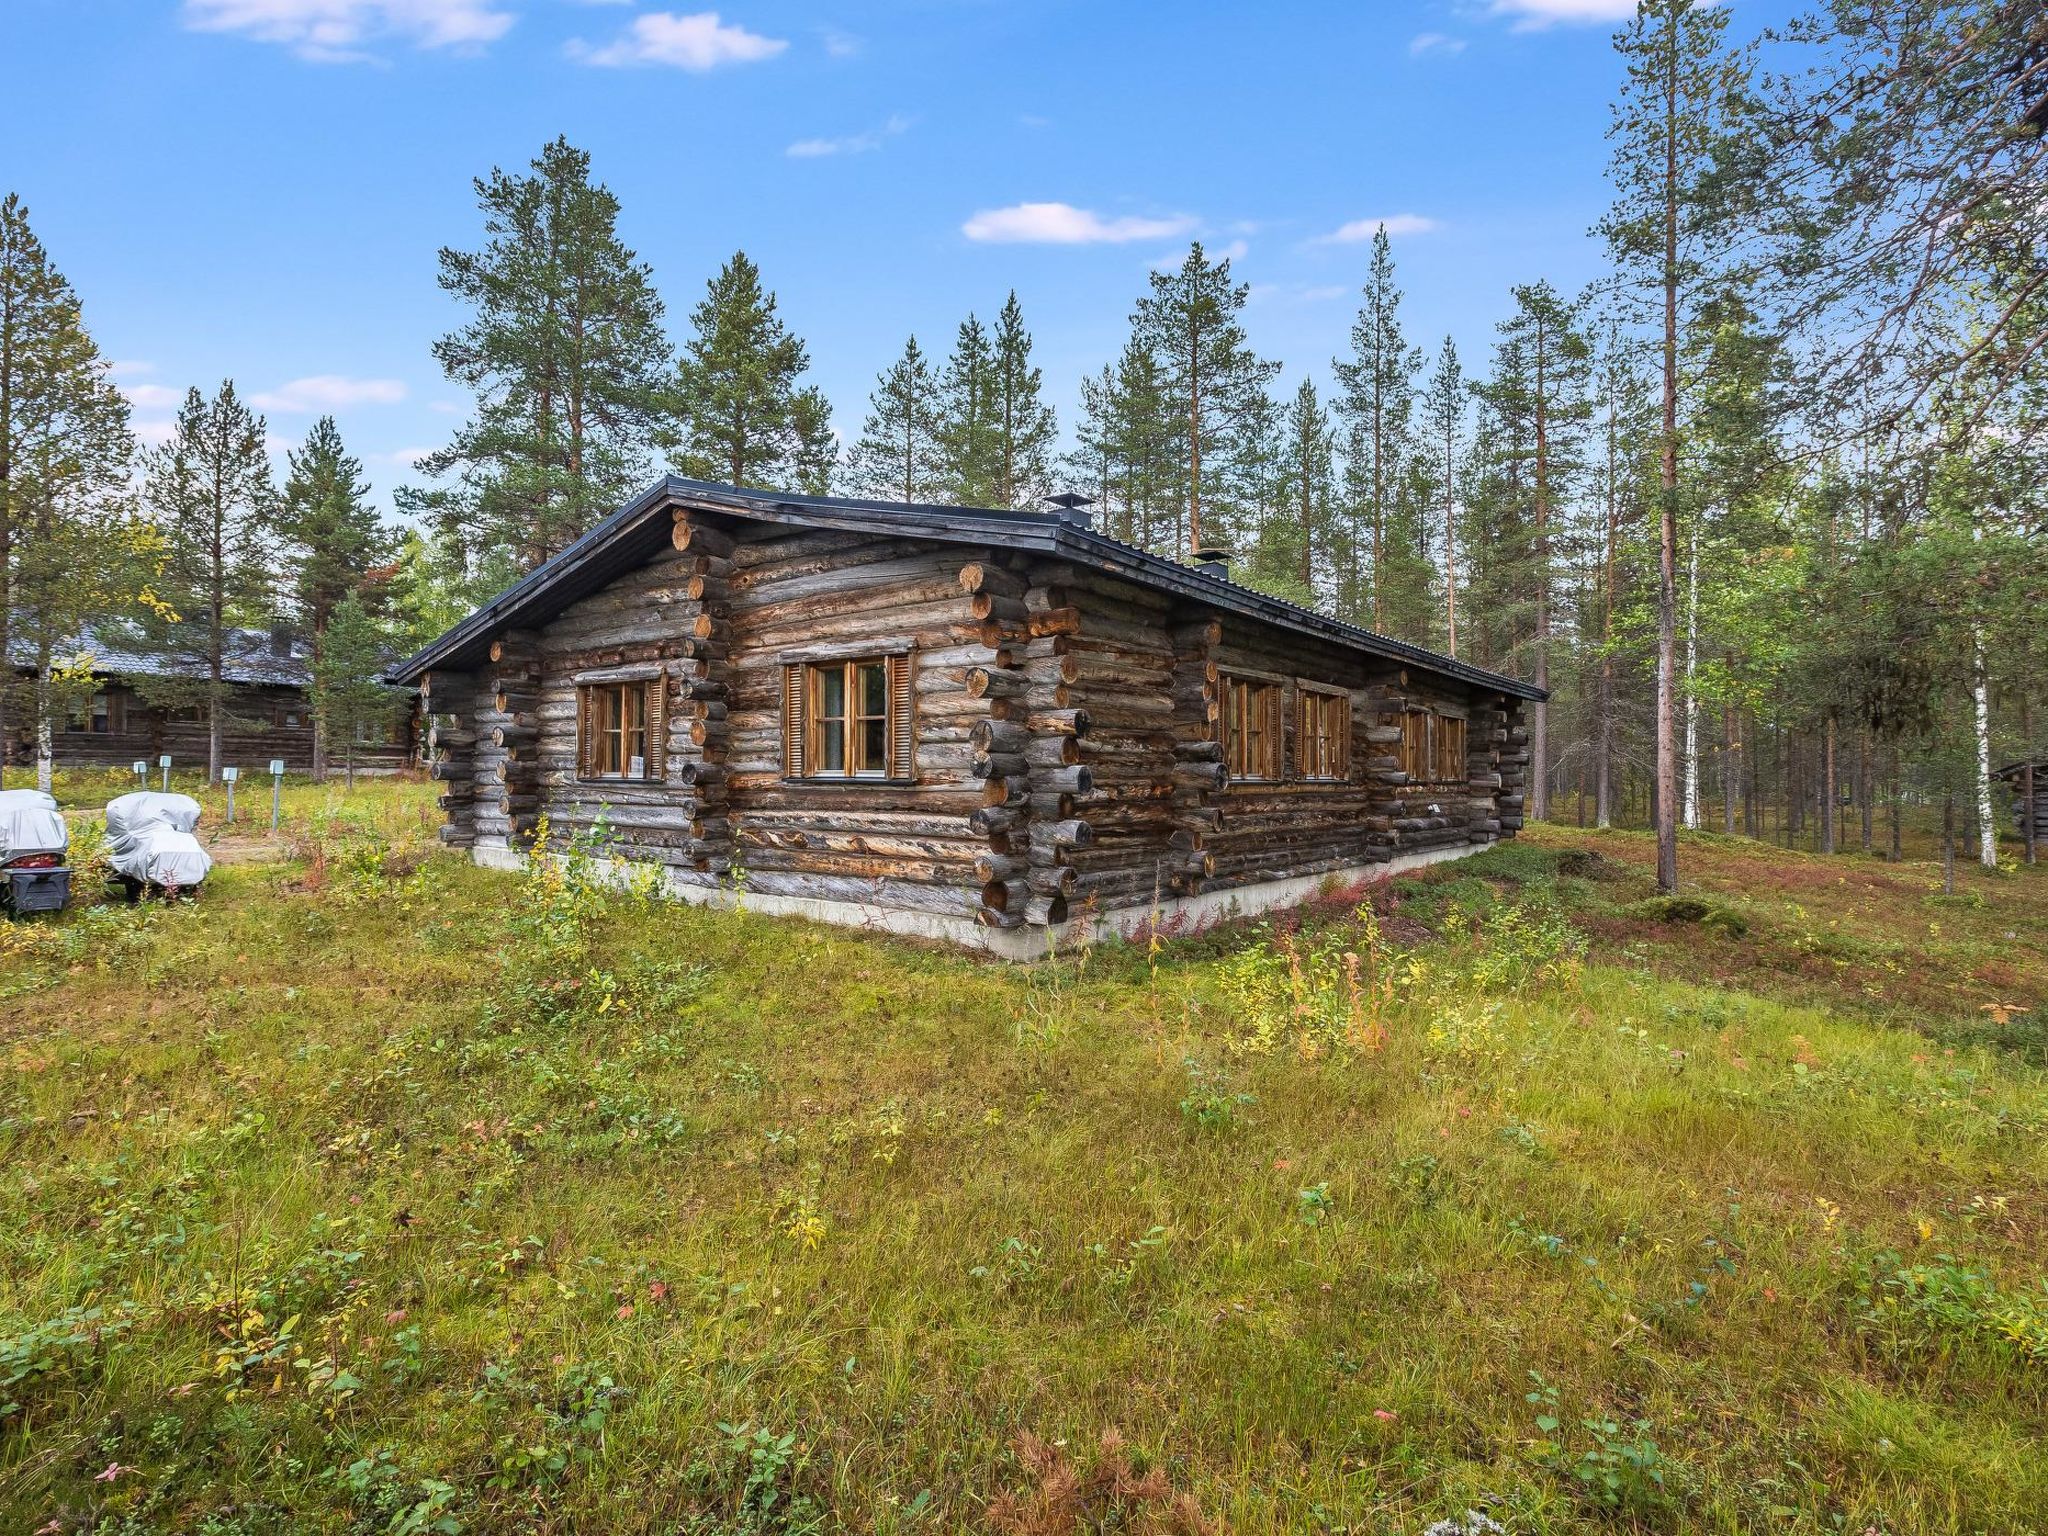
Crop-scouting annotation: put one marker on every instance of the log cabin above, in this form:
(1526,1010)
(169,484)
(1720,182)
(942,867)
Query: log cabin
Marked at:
(2028,780)
(269,709)
(983,726)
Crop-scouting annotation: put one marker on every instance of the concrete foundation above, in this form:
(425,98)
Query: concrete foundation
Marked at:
(1179,914)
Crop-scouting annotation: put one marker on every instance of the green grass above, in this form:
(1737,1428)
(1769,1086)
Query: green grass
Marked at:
(378,1193)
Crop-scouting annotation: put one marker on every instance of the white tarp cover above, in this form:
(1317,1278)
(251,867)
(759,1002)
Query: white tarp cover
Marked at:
(149,837)
(29,823)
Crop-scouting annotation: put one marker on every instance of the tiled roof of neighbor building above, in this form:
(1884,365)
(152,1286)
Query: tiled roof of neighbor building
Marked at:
(640,529)
(115,649)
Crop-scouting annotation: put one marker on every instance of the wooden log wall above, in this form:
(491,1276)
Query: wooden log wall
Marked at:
(449,702)
(505,755)
(657,623)
(820,594)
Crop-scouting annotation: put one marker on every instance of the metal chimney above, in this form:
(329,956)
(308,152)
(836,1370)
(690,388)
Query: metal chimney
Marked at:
(1068,508)
(1213,560)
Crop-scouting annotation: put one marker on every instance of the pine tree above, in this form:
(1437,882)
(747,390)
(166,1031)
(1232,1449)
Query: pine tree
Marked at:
(66,548)
(1295,542)
(1025,425)
(737,389)
(208,490)
(1378,391)
(347,691)
(1189,320)
(815,462)
(332,536)
(1548,391)
(898,456)
(1441,436)
(566,355)
(969,427)
(1668,130)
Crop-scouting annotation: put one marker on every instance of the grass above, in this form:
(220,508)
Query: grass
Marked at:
(373,1192)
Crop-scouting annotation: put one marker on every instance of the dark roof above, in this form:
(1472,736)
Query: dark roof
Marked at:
(640,528)
(116,649)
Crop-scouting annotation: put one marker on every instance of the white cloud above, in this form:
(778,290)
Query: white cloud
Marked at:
(697,42)
(153,397)
(1434,42)
(1360,230)
(153,431)
(328,392)
(446,407)
(336,31)
(402,458)
(1532,15)
(128,368)
(851,144)
(1064,224)
(842,45)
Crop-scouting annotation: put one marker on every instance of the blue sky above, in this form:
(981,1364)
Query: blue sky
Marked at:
(258,188)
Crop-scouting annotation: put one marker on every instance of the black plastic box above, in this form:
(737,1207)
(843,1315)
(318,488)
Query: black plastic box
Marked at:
(34,890)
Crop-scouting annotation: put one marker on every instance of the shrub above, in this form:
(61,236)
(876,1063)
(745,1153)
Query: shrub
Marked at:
(1316,992)
(1716,915)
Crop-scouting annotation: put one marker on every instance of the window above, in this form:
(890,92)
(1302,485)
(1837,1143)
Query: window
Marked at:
(622,729)
(1432,747)
(1322,734)
(847,719)
(95,715)
(1251,728)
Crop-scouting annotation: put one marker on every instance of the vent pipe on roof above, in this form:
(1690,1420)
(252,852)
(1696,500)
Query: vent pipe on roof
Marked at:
(1068,507)
(1213,561)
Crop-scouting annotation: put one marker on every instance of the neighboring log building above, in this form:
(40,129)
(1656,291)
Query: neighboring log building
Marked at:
(2028,779)
(269,674)
(964,723)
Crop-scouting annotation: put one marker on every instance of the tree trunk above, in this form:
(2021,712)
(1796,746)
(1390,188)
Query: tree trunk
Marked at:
(1692,702)
(1865,786)
(1898,789)
(1667,520)
(1980,699)
(45,758)
(1827,785)
(1948,842)
(1731,770)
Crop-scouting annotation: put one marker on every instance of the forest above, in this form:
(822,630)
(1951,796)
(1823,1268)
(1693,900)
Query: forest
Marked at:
(1760,506)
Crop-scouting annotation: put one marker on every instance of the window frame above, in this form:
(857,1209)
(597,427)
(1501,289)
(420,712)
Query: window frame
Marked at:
(1264,699)
(810,732)
(592,736)
(1322,733)
(1435,740)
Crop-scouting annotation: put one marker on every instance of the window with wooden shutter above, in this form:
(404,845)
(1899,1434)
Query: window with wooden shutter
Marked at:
(657,728)
(1432,747)
(795,728)
(849,719)
(1322,734)
(622,730)
(902,750)
(1252,728)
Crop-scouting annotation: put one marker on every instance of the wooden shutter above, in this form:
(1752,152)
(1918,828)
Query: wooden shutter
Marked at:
(586,733)
(794,734)
(902,720)
(657,729)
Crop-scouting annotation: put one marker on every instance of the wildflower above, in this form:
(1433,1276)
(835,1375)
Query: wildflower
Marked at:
(1385,1415)
(114,1470)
